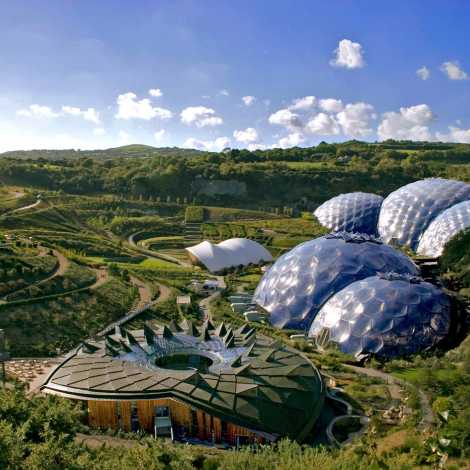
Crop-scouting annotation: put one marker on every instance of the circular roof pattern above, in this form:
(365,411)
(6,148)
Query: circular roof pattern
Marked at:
(443,228)
(407,212)
(235,374)
(351,212)
(297,285)
(386,315)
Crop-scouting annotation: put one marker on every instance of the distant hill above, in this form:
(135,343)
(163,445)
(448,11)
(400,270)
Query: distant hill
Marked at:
(127,151)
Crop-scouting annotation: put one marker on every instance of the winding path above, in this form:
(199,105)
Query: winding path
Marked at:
(427,418)
(155,254)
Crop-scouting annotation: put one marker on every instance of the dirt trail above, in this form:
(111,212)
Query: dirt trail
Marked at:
(63,265)
(145,293)
(427,418)
(102,277)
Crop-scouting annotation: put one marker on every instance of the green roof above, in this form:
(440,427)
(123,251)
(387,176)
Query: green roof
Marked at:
(260,385)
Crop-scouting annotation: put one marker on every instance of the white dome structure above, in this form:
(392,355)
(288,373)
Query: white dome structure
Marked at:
(443,228)
(229,253)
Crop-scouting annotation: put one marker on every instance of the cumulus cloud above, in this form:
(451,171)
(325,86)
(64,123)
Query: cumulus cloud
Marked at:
(45,112)
(200,116)
(349,55)
(331,105)
(285,118)
(36,110)
(99,131)
(407,124)
(129,107)
(323,124)
(248,136)
(292,140)
(453,70)
(455,134)
(159,135)
(355,119)
(248,100)
(303,104)
(423,73)
(208,145)
(155,92)
(89,114)
(224,92)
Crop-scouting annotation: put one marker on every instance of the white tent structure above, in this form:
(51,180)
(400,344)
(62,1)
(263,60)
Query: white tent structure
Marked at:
(229,253)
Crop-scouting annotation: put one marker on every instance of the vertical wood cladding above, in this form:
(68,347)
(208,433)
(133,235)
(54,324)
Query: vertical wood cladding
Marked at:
(114,415)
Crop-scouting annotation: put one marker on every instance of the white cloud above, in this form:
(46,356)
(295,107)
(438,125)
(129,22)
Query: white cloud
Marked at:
(224,92)
(209,145)
(331,105)
(323,124)
(45,112)
(355,119)
(36,110)
(302,104)
(89,114)
(159,135)
(248,136)
(348,55)
(424,73)
(455,134)
(453,71)
(98,131)
(292,140)
(200,116)
(248,100)
(155,92)
(285,118)
(407,124)
(131,108)
(253,147)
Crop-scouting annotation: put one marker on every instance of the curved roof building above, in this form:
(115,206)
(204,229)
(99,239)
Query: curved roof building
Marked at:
(351,212)
(216,381)
(385,315)
(228,254)
(443,228)
(297,285)
(407,212)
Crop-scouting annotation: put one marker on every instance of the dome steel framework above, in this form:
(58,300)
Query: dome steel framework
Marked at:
(387,315)
(302,280)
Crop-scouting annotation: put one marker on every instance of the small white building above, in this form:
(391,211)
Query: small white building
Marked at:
(228,254)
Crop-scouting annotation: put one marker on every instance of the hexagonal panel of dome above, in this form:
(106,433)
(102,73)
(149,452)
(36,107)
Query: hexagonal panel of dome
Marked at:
(302,280)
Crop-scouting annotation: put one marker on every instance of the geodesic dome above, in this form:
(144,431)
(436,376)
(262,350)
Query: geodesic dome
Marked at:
(387,315)
(351,212)
(407,212)
(443,228)
(301,281)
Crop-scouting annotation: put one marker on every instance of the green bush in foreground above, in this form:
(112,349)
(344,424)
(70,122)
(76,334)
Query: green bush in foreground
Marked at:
(41,433)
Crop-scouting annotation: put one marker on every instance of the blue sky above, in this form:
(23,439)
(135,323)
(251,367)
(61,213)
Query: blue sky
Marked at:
(257,74)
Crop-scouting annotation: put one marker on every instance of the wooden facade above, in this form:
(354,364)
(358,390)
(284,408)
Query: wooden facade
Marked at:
(186,421)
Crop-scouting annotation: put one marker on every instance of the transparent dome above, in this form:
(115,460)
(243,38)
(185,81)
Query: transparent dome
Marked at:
(387,315)
(351,212)
(297,285)
(407,212)
(443,228)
